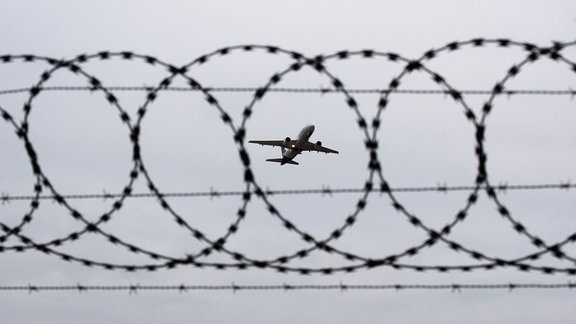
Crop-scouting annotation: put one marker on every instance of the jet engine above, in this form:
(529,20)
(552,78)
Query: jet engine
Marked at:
(287,142)
(317,145)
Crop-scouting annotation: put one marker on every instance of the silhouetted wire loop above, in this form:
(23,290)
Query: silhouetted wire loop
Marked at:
(376,182)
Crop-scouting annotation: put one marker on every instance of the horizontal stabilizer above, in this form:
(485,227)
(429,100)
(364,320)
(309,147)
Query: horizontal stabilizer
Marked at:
(282,161)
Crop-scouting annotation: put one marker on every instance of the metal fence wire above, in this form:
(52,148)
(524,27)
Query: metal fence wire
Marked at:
(376,181)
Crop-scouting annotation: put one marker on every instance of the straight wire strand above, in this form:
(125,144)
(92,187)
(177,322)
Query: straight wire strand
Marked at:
(135,288)
(568,92)
(5,198)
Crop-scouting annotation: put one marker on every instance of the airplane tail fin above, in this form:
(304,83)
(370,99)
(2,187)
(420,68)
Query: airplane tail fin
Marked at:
(282,161)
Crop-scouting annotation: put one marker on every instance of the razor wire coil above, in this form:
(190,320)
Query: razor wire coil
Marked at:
(368,126)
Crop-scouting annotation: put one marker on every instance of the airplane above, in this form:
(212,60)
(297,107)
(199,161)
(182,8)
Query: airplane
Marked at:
(290,148)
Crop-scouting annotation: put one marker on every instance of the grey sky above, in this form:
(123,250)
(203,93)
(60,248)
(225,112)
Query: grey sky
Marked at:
(425,140)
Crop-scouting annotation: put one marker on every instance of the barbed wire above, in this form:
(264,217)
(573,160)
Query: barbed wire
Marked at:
(342,287)
(375,181)
(507,92)
(325,191)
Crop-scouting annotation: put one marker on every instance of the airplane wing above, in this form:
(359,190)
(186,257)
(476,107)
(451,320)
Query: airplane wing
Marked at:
(274,143)
(292,144)
(318,148)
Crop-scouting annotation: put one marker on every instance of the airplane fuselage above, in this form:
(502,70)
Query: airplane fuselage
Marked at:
(293,150)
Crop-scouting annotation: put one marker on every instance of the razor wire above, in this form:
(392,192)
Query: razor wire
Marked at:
(375,182)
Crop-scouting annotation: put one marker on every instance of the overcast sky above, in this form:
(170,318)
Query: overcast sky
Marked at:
(425,140)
